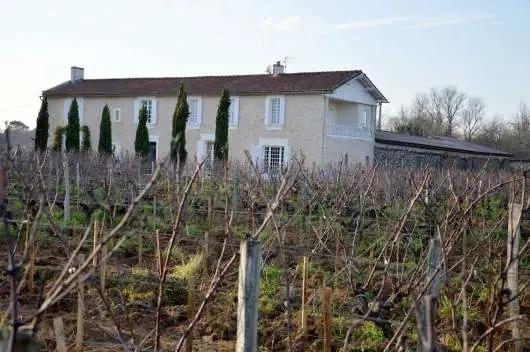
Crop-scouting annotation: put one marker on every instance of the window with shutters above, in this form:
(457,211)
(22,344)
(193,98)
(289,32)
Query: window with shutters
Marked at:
(194,119)
(148,105)
(273,159)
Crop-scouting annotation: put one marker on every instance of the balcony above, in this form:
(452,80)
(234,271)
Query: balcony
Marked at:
(347,131)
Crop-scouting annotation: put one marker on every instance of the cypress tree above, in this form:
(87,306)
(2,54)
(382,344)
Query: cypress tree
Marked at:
(220,148)
(41,132)
(72,129)
(86,145)
(178,150)
(58,138)
(105,133)
(141,142)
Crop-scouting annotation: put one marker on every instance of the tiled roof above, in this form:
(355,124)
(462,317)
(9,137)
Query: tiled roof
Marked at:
(303,82)
(436,143)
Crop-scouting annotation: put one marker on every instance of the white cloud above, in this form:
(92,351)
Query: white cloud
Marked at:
(267,21)
(375,22)
(413,21)
(450,20)
(288,24)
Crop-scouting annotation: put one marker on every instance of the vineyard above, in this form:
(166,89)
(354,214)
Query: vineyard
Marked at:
(108,255)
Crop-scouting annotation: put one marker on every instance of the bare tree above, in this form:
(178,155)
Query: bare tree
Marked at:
(409,123)
(522,118)
(434,110)
(521,127)
(432,113)
(493,132)
(452,102)
(472,116)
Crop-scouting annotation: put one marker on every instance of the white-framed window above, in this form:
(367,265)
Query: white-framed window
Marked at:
(271,155)
(150,104)
(80,109)
(274,112)
(147,104)
(194,119)
(273,159)
(363,123)
(233,113)
(116,115)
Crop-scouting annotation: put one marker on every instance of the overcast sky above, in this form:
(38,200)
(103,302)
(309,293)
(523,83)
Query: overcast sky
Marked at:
(404,46)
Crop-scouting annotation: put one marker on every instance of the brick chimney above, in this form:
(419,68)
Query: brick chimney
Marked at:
(277,69)
(76,74)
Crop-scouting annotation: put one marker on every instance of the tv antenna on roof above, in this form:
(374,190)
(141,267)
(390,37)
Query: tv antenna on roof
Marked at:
(287,59)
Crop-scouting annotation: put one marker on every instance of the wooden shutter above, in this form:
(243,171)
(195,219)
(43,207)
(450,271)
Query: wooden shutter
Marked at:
(256,155)
(234,107)
(137,106)
(267,111)
(199,111)
(154,111)
(67,103)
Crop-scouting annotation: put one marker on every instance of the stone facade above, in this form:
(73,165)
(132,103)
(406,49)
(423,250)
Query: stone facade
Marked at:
(398,156)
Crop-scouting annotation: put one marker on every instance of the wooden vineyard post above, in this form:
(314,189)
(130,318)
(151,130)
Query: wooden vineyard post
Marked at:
(157,253)
(80,331)
(337,257)
(304,297)
(426,310)
(247,296)
(94,245)
(205,253)
(140,247)
(154,211)
(31,254)
(60,338)
(206,250)
(103,263)
(326,310)
(191,312)
(512,275)
(66,168)
(27,235)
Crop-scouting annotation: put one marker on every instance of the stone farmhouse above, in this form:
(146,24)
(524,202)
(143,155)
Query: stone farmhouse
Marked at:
(328,116)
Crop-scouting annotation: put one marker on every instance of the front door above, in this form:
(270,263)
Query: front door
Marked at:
(152,152)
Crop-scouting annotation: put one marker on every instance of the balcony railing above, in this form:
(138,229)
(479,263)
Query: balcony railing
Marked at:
(346,131)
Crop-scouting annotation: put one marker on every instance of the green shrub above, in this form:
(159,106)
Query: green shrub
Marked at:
(368,337)
(188,269)
(269,300)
